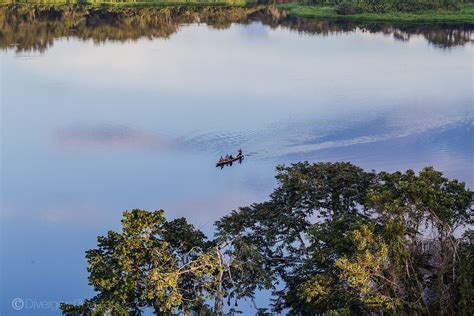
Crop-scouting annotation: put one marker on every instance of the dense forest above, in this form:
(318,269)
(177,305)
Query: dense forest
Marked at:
(34,27)
(332,238)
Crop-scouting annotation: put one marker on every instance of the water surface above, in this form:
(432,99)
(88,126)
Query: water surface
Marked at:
(100,118)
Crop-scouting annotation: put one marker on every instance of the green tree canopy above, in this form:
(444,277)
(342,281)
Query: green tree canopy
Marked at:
(152,263)
(332,238)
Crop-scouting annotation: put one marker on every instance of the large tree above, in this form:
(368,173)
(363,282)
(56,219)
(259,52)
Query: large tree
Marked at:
(333,237)
(152,263)
(274,235)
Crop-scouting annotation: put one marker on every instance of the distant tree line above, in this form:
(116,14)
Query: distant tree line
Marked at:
(35,27)
(382,6)
(332,239)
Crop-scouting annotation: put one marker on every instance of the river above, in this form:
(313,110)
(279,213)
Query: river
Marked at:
(101,115)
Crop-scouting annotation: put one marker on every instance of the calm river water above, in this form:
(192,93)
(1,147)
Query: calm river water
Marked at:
(92,125)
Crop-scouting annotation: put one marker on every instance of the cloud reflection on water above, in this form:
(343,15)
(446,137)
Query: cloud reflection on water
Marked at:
(281,96)
(108,136)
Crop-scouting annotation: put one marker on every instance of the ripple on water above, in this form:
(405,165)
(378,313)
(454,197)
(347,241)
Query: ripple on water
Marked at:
(303,139)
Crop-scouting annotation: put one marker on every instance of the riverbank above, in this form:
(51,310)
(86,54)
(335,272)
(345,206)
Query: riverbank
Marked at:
(465,14)
(139,3)
(123,23)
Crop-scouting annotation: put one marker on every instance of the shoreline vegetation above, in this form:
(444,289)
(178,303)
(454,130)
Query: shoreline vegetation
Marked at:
(450,11)
(27,28)
(134,3)
(464,14)
(138,5)
(35,27)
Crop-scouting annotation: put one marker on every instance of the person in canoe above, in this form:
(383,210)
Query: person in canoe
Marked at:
(229,159)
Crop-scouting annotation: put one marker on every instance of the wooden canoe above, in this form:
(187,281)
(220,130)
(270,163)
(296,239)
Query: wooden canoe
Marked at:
(229,161)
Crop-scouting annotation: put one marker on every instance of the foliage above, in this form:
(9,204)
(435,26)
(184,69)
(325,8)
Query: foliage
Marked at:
(462,13)
(348,241)
(346,8)
(464,286)
(165,265)
(35,27)
(135,3)
(277,230)
(331,239)
(27,28)
(382,6)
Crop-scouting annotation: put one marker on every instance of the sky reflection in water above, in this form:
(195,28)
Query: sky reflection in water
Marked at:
(91,130)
